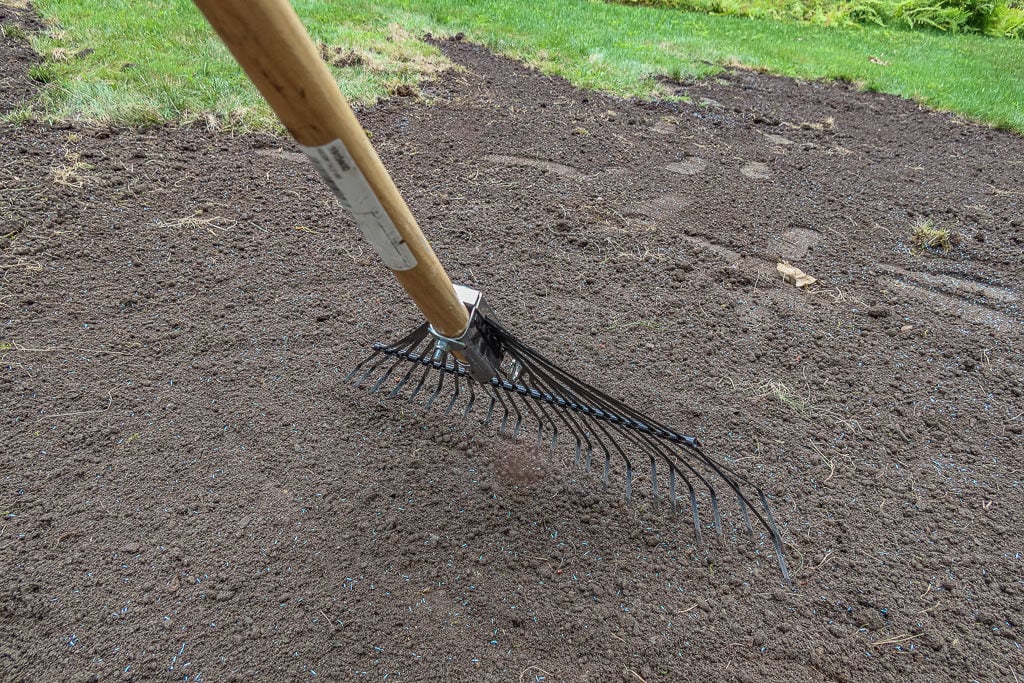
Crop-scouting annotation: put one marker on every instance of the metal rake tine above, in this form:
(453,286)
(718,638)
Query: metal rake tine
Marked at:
(607,460)
(496,399)
(717,515)
(579,452)
(776,537)
(519,416)
(533,413)
(455,396)
(641,428)
(629,481)
(419,385)
(568,387)
(607,468)
(383,378)
(696,514)
(582,393)
(654,482)
(359,367)
(472,398)
(409,341)
(733,479)
(543,381)
(692,491)
(437,390)
(554,383)
(401,383)
(613,412)
(746,516)
(646,442)
(504,414)
(672,487)
(673,470)
(412,369)
(541,417)
(490,411)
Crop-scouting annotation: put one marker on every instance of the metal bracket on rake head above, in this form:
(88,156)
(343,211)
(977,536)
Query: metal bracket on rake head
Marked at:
(481,359)
(524,393)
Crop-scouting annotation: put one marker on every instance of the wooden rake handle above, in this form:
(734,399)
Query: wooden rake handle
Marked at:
(272,46)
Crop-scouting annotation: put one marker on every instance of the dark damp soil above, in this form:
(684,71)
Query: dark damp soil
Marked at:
(190,491)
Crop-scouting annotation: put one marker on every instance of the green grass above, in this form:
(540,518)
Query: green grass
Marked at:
(927,235)
(12,31)
(156,60)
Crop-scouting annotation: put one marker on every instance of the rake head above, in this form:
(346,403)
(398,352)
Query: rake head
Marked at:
(529,397)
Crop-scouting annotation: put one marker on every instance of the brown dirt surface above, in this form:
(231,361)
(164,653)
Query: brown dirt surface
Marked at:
(190,492)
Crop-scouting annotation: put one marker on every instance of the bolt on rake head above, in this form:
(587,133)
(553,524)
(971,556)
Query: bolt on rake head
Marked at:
(529,396)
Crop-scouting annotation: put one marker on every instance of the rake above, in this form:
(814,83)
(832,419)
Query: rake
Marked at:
(462,360)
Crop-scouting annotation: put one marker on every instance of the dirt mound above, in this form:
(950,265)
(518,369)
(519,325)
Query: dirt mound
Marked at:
(191,493)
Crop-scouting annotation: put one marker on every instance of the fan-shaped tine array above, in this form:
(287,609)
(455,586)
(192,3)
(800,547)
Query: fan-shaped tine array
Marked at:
(563,409)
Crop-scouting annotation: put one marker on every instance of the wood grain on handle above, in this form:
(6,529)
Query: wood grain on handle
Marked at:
(272,46)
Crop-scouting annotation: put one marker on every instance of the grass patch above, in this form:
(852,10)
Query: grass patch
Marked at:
(12,31)
(927,235)
(787,397)
(116,61)
(157,62)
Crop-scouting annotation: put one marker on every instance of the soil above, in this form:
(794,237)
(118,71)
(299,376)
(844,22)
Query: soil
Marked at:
(191,492)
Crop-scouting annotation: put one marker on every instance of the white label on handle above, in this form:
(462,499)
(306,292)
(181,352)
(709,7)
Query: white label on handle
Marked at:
(341,174)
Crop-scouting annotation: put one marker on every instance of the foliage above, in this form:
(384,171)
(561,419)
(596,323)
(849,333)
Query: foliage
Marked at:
(989,17)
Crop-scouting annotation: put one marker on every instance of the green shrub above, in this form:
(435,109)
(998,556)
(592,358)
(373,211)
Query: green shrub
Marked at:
(989,17)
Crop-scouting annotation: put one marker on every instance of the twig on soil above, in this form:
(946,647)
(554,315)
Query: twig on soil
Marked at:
(638,676)
(831,462)
(110,400)
(532,667)
(997,191)
(215,225)
(837,295)
(27,264)
(357,258)
(897,640)
(826,558)
(63,536)
(50,349)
